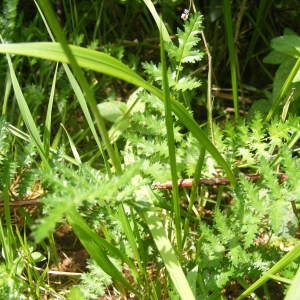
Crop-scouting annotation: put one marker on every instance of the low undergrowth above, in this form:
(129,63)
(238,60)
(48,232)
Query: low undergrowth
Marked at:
(86,213)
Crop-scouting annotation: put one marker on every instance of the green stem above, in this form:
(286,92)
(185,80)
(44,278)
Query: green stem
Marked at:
(232,55)
(171,145)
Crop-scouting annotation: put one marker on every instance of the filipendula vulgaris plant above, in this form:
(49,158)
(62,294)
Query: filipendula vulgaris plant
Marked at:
(260,223)
(146,135)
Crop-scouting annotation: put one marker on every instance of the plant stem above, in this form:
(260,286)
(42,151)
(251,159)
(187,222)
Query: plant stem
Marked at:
(171,145)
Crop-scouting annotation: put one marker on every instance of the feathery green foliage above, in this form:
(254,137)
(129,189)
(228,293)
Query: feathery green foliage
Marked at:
(246,235)
(88,148)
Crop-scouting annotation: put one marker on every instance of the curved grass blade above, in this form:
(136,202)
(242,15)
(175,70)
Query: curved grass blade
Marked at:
(283,262)
(160,24)
(168,255)
(94,245)
(26,114)
(232,55)
(72,145)
(171,145)
(47,130)
(58,33)
(284,89)
(103,63)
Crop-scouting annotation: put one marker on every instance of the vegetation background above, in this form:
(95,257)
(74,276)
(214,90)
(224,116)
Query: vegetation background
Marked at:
(95,139)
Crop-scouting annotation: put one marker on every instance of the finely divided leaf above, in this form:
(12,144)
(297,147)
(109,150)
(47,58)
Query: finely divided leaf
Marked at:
(188,39)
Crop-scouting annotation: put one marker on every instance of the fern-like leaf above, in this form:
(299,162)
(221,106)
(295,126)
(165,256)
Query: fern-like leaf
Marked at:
(188,39)
(8,19)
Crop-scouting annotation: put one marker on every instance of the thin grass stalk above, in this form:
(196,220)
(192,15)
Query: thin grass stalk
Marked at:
(26,115)
(33,277)
(171,146)
(209,103)
(7,241)
(7,211)
(6,94)
(232,55)
(47,130)
(195,185)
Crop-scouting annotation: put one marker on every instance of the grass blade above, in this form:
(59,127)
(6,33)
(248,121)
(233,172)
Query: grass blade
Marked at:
(82,102)
(72,59)
(160,24)
(94,245)
(168,255)
(283,262)
(47,130)
(232,55)
(294,290)
(72,145)
(103,63)
(171,145)
(26,114)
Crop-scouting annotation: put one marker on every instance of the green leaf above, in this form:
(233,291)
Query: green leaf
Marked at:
(287,44)
(112,110)
(283,262)
(281,74)
(294,290)
(75,294)
(26,114)
(188,39)
(275,58)
(168,254)
(93,244)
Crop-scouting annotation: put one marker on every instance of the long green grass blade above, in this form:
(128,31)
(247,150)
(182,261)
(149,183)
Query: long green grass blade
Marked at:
(168,255)
(283,262)
(103,63)
(171,145)
(80,97)
(160,24)
(79,75)
(94,245)
(82,102)
(47,130)
(26,114)
(232,54)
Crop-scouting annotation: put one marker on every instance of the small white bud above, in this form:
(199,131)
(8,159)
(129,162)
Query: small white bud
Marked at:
(185,14)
